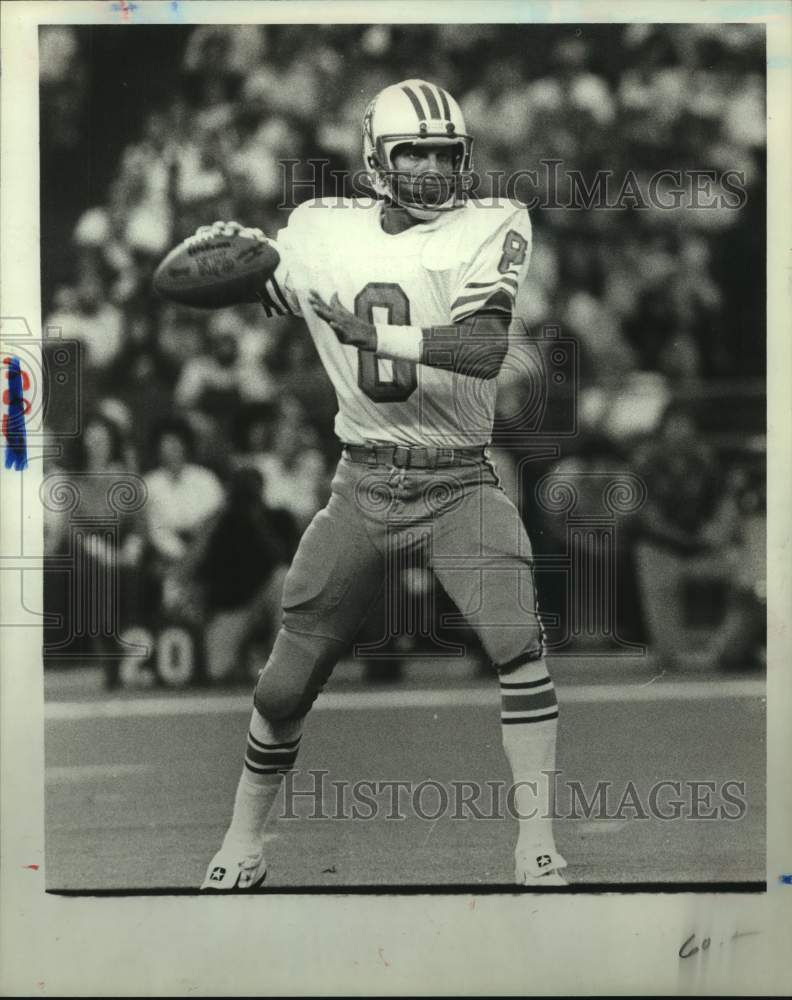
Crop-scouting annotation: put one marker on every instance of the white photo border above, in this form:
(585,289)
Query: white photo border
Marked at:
(378,945)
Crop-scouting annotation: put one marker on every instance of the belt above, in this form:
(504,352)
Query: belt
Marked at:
(403,456)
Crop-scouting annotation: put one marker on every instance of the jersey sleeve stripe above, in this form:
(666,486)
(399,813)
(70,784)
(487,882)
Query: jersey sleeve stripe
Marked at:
(278,296)
(497,300)
(273,300)
(506,279)
(482,296)
(267,303)
(465,312)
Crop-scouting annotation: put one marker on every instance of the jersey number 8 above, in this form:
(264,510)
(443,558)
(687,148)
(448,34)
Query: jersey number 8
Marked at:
(392,298)
(515,246)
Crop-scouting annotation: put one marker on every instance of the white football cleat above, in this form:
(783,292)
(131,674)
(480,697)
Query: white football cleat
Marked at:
(232,870)
(539,870)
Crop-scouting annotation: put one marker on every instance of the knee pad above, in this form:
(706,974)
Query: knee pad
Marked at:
(296,672)
(529,654)
(505,644)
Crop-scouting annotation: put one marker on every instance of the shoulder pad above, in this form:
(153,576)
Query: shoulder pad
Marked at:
(471,227)
(317,213)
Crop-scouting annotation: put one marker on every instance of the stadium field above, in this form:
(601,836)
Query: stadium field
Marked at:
(140,786)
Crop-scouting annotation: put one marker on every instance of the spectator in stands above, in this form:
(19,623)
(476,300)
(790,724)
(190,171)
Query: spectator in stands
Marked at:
(84,314)
(218,56)
(182,496)
(293,469)
(99,540)
(180,336)
(686,531)
(234,571)
(209,381)
(203,178)
(740,641)
(98,455)
(142,195)
(255,342)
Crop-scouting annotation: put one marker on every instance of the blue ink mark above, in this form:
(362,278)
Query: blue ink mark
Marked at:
(785,879)
(14,420)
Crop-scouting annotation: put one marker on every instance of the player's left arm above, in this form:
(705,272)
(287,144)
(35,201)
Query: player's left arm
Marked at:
(477,338)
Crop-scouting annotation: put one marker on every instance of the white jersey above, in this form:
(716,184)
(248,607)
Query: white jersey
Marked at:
(435,274)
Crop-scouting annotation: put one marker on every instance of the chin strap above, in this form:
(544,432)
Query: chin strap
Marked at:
(418,211)
(424,214)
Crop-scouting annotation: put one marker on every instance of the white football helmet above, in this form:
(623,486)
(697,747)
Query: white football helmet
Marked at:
(411,113)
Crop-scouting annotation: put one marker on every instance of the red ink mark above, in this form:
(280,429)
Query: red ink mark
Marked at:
(23,375)
(34,867)
(382,957)
(124,8)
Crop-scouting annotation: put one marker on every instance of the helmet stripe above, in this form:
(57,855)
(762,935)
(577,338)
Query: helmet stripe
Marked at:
(431,100)
(444,99)
(415,103)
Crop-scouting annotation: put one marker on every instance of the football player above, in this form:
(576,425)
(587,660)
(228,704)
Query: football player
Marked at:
(408,298)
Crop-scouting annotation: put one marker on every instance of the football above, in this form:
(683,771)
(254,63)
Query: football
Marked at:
(214,271)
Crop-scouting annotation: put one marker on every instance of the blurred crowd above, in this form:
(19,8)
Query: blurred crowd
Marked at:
(226,412)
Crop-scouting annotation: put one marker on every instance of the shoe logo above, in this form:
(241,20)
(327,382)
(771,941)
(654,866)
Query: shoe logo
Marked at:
(218,874)
(543,860)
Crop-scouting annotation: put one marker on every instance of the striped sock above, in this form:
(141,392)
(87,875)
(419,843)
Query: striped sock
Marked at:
(271,750)
(529,717)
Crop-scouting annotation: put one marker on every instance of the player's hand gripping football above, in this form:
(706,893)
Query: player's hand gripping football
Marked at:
(346,326)
(227,229)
